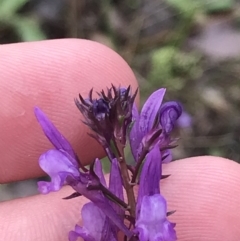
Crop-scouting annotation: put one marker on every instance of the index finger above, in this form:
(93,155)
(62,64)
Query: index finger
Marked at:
(50,74)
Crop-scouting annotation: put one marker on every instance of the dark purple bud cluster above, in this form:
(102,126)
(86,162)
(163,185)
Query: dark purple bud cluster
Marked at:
(114,120)
(108,116)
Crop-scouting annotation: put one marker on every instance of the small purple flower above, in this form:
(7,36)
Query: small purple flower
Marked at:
(151,212)
(98,228)
(58,166)
(152,224)
(154,123)
(169,114)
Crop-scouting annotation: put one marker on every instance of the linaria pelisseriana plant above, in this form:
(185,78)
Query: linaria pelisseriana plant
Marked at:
(114,121)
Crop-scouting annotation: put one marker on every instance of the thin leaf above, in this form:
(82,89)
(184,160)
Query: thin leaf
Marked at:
(28,29)
(10,7)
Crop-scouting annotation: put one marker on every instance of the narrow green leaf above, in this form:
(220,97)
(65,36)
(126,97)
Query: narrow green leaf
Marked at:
(10,7)
(28,29)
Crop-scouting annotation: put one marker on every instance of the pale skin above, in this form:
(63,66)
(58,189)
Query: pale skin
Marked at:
(205,191)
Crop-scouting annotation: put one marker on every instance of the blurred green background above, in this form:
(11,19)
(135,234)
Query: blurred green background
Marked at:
(190,47)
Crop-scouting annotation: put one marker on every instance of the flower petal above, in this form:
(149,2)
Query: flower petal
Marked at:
(93,220)
(150,176)
(150,110)
(152,223)
(96,226)
(114,217)
(115,185)
(134,136)
(58,167)
(54,136)
(80,232)
(99,171)
(169,113)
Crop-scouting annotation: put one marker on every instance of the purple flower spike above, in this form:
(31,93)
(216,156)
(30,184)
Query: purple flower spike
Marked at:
(56,164)
(113,117)
(96,226)
(169,113)
(52,133)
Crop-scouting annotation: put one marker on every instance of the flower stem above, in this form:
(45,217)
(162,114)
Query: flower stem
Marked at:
(126,179)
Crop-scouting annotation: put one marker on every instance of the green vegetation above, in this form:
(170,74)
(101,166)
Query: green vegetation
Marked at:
(26,27)
(172,67)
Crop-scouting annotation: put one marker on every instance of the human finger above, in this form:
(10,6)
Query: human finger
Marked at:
(204,191)
(50,74)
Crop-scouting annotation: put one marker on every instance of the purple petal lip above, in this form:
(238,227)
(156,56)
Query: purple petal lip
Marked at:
(169,114)
(58,167)
(152,223)
(99,228)
(92,227)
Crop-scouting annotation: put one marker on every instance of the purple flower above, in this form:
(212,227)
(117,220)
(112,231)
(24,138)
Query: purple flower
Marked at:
(151,212)
(169,114)
(58,166)
(63,168)
(154,124)
(111,117)
(96,226)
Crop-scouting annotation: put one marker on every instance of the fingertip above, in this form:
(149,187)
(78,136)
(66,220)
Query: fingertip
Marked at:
(50,74)
(45,217)
(205,193)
